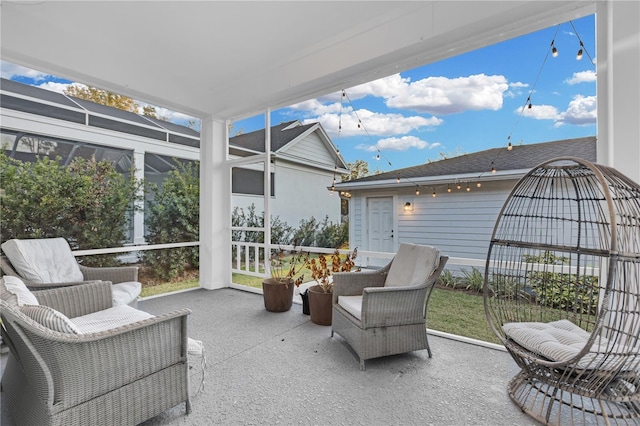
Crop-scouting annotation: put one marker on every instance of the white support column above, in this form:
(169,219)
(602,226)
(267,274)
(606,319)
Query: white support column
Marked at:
(618,65)
(215,206)
(267,186)
(138,216)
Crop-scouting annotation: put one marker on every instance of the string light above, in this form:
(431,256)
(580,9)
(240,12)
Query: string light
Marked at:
(509,147)
(434,193)
(554,50)
(468,189)
(478,184)
(458,185)
(417,191)
(398,179)
(579,55)
(378,157)
(448,188)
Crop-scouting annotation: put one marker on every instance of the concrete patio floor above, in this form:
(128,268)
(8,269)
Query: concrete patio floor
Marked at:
(281,369)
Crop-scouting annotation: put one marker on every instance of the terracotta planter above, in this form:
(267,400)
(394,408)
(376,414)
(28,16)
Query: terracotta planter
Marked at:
(278,296)
(320,305)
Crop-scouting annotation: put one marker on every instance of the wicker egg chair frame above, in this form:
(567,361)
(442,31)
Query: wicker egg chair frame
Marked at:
(562,292)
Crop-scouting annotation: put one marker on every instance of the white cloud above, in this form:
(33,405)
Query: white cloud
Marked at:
(9,71)
(442,95)
(540,112)
(582,111)
(398,144)
(54,87)
(515,89)
(582,77)
(372,123)
(317,107)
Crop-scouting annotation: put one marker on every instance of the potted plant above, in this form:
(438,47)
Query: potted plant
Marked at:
(277,291)
(321,295)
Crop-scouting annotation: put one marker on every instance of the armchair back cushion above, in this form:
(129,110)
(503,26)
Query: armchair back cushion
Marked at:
(47,260)
(412,265)
(15,292)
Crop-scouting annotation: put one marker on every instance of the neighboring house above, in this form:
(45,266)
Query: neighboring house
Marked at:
(304,163)
(459,219)
(38,122)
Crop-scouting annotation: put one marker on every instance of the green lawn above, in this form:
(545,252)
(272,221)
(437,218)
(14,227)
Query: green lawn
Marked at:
(450,311)
(459,313)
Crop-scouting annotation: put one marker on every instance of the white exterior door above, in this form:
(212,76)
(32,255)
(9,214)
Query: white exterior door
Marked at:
(380,224)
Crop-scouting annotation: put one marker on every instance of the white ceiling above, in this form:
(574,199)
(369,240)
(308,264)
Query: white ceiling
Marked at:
(233,59)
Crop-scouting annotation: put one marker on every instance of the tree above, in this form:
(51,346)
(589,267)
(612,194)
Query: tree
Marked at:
(104,97)
(88,203)
(174,216)
(359,169)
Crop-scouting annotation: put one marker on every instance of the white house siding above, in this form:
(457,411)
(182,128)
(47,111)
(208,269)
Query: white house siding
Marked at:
(302,192)
(459,223)
(312,151)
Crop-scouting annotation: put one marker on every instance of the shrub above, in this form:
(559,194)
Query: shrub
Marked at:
(88,203)
(447,279)
(570,292)
(305,235)
(174,216)
(332,235)
(473,279)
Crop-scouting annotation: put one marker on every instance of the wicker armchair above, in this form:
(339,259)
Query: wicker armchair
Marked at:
(384,312)
(56,251)
(121,376)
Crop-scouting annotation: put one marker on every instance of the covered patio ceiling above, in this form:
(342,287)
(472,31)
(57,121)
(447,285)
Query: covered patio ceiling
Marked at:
(231,59)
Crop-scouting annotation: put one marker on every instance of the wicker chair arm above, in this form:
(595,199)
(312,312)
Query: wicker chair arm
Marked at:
(116,274)
(77,300)
(353,283)
(106,360)
(34,286)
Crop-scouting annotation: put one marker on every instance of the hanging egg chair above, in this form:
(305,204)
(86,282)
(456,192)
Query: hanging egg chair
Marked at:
(562,292)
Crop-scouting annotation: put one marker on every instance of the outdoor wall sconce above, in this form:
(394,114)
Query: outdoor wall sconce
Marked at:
(408,207)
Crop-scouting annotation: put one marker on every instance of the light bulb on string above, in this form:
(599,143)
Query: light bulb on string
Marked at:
(493,169)
(509,147)
(468,188)
(478,184)
(579,55)
(434,194)
(458,185)
(398,179)
(417,191)
(448,188)
(378,157)
(554,50)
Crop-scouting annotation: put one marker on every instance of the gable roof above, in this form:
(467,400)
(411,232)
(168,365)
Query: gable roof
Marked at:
(520,158)
(283,136)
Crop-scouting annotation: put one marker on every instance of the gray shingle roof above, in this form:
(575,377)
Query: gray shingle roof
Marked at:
(520,158)
(280,136)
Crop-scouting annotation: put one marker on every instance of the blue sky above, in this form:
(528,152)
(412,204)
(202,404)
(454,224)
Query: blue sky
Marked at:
(464,104)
